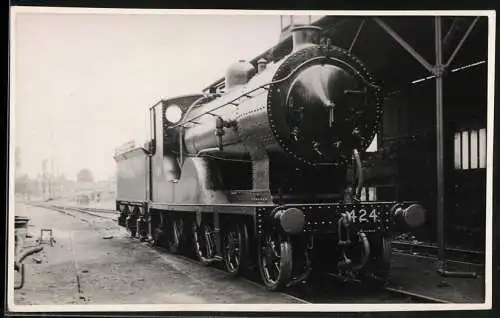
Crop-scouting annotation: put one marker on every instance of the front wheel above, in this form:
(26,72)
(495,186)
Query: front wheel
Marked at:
(275,260)
(383,258)
(378,267)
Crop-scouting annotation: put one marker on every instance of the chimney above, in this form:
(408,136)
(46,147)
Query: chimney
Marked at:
(305,35)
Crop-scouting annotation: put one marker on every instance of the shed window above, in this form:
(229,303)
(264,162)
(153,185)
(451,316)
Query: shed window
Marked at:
(470,149)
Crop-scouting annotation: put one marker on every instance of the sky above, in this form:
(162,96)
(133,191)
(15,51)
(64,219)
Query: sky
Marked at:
(83,82)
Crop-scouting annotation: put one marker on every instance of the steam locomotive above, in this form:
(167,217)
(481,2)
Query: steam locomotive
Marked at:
(256,175)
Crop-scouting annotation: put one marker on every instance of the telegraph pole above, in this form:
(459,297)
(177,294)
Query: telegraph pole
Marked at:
(51,174)
(52,186)
(44,178)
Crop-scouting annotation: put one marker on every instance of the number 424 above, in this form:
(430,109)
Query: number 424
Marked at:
(362,216)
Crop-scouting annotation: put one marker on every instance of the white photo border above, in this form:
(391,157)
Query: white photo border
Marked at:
(490,14)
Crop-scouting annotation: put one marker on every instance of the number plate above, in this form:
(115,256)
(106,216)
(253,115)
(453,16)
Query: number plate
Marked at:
(363,215)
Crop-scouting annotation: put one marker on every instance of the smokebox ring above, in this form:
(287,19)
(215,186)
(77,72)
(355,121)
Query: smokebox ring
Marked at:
(315,53)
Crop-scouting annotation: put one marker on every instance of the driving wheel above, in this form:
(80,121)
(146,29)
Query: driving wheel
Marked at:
(275,260)
(235,248)
(204,242)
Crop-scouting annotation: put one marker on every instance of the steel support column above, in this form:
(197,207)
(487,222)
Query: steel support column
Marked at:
(439,140)
(438,72)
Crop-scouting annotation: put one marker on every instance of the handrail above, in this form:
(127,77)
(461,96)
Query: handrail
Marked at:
(196,102)
(251,91)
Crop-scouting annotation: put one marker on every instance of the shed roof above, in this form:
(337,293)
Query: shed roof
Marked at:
(390,62)
(386,58)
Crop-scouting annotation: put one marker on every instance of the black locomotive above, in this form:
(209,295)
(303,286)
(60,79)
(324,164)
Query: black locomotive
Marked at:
(257,174)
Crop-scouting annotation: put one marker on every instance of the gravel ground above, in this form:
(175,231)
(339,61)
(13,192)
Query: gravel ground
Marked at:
(93,261)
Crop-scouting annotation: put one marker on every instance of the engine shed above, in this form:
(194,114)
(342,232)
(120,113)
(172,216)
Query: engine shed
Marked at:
(432,142)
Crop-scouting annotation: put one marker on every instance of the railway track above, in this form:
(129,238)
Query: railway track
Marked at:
(334,291)
(431,250)
(95,212)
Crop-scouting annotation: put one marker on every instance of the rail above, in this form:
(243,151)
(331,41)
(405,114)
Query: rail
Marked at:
(85,210)
(428,249)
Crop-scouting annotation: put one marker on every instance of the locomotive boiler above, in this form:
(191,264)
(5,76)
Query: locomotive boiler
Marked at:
(256,173)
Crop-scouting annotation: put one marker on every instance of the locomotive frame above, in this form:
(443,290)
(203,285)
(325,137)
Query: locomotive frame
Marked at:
(258,219)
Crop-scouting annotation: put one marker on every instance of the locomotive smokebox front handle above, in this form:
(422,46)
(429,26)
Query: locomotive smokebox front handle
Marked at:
(412,216)
(290,220)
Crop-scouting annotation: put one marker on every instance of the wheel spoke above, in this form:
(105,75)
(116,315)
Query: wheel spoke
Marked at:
(276,267)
